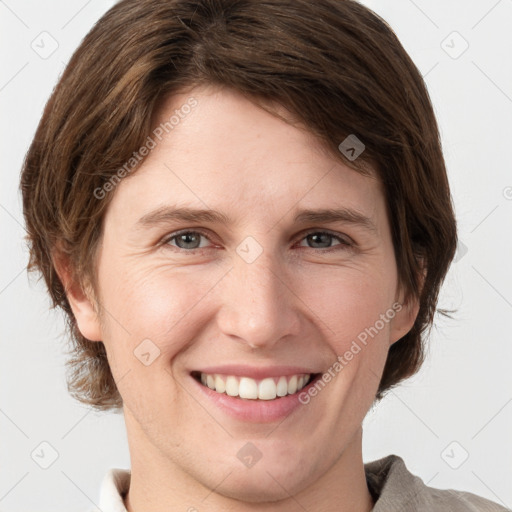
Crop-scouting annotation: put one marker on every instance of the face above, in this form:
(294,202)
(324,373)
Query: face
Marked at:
(263,295)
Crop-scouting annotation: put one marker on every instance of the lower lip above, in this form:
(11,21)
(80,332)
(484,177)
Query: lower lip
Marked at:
(255,411)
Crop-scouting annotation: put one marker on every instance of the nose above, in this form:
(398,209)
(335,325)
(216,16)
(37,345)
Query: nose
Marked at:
(259,307)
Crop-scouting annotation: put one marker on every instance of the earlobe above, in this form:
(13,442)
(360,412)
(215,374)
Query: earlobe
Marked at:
(404,320)
(82,303)
(406,315)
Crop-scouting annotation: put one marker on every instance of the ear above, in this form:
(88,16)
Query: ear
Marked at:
(406,314)
(82,302)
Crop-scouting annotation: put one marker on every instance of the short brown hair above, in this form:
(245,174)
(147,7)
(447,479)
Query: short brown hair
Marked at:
(334,64)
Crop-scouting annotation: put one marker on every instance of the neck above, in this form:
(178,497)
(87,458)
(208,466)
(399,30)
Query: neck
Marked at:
(159,484)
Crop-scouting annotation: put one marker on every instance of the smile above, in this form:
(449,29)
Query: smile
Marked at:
(269,388)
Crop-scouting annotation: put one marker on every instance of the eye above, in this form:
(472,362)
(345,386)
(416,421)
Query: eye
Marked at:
(323,240)
(188,240)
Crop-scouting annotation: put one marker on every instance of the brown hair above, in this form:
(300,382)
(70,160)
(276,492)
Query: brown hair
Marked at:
(334,64)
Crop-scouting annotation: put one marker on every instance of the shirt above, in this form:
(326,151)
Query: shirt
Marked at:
(393,487)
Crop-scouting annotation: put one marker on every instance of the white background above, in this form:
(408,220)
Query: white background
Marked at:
(460,402)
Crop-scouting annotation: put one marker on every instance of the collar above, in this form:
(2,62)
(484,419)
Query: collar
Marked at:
(389,481)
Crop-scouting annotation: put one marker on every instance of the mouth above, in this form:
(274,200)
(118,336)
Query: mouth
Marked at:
(247,388)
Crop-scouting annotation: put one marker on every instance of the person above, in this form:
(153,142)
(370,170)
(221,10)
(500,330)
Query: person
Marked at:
(243,209)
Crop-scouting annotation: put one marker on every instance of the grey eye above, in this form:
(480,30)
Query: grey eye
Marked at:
(320,240)
(187,240)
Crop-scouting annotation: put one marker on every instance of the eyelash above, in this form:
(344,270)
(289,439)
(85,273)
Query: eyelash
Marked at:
(344,244)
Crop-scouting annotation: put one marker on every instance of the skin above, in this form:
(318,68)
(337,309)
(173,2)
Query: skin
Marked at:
(296,304)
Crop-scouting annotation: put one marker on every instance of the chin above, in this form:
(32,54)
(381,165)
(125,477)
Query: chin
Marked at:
(259,487)
(266,481)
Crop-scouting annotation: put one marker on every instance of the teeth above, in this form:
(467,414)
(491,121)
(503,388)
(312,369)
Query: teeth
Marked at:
(220,385)
(232,386)
(292,385)
(248,388)
(282,387)
(245,387)
(267,389)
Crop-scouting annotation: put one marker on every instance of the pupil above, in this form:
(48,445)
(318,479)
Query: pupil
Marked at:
(316,236)
(185,239)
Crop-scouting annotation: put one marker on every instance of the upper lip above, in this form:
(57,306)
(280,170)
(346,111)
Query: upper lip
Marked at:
(254,372)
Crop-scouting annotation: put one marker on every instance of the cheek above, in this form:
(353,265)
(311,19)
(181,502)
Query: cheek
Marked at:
(151,315)
(347,301)
(154,302)
(169,305)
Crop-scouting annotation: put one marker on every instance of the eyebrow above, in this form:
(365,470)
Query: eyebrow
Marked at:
(167,214)
(329,215)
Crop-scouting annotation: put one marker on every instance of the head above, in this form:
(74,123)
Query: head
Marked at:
(251,109)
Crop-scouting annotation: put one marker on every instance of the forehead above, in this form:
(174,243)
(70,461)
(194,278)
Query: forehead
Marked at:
(228,152)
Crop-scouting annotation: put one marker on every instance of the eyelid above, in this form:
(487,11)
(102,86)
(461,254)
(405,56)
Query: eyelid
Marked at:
(174,234)
(341,236)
